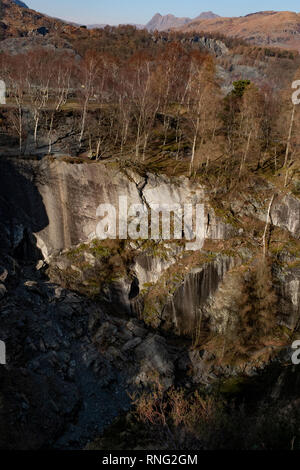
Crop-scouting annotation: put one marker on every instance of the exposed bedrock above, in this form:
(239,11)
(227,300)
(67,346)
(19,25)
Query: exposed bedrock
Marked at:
(285,213)
(57,202)
(288,291)
(182,311)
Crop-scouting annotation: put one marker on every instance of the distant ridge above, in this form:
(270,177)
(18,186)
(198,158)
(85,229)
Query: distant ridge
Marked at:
(162,23)
(100,26)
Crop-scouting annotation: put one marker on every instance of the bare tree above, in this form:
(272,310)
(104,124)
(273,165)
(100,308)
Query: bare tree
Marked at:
(145,100)
(61,84)
(13,71)
(288,143)
(37,75)
(267,226)
(88,73)
(201,92)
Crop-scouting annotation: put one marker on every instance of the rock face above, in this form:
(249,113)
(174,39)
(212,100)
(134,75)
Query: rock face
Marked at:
(72,359)
(55,203)
(289,296)
(185,306)
(216,46)
(50,205)
(286,214)
(46,201)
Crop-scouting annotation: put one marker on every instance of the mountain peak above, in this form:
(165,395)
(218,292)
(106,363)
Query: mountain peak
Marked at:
(164,22)
(161,23)
(207,15)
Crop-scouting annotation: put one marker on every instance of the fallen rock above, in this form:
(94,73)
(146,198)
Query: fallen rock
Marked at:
(155,359)
(131,344)
(137,330)
(32,286)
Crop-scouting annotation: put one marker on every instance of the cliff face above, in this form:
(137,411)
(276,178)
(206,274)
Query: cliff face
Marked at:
(56,202)
(93,347)
(285,213)
(65,215)
(59,200)
(71,195)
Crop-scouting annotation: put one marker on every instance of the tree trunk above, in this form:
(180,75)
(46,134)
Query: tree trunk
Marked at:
(37,119)
(288,143)
(145,146)
(137,145)
(193,154)
(98,149)
(83,122)
(50,133)
(266,226)
(245,154)
(288,146)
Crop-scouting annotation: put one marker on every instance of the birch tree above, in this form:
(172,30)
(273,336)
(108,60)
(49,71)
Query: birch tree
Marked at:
(61,85)
(88,73)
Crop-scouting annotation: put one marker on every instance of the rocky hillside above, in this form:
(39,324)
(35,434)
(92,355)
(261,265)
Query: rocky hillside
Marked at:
(86,321)
(281,29)
(16,20)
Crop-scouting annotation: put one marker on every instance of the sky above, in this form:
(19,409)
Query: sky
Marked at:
(141,11)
